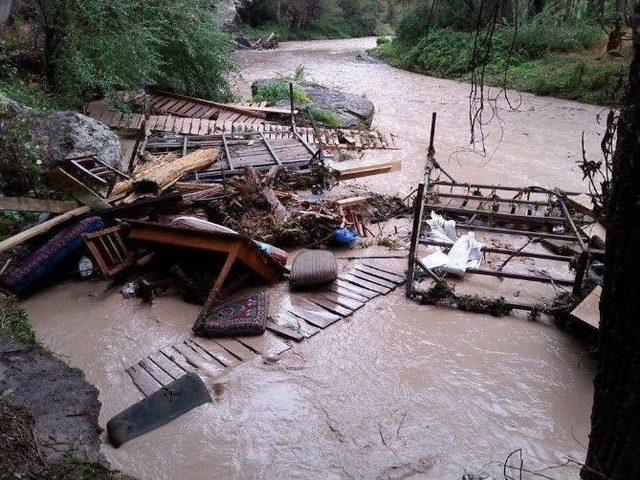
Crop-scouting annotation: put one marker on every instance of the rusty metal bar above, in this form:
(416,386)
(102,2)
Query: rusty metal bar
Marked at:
(512,231)
(571,222)
(492,199)
(503,251)
(507,217)
(530,189)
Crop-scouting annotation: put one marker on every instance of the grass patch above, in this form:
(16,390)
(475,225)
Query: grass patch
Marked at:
(277,92)
(323,117)
(14,319)
(20,456)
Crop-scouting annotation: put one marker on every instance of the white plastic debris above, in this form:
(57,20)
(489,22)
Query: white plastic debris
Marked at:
(442,230)
(466,251)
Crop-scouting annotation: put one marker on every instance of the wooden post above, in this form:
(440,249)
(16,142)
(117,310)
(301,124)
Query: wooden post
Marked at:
(214,296)
(293,111)
(415,233)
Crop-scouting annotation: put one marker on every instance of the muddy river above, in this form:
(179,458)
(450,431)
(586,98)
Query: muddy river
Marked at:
(398,391)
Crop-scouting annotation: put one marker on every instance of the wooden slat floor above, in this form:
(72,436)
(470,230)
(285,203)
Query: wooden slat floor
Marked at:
(307,315)
(332,139)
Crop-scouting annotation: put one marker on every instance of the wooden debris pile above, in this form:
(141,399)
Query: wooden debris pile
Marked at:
(281,217)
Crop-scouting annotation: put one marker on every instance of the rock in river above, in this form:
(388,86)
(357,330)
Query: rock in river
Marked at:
(352,110)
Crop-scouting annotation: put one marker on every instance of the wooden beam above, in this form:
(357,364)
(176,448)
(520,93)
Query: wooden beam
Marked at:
(23,204)
(41,228)
(367,170)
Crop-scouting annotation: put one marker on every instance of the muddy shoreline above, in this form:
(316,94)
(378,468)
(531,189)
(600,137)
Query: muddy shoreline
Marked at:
(398,390)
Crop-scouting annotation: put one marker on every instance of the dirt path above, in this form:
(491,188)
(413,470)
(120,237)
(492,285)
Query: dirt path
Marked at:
(401,389)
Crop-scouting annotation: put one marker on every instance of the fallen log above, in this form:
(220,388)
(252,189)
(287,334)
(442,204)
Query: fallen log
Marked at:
(23,204)
(279,212)
(41,229)
(161,173)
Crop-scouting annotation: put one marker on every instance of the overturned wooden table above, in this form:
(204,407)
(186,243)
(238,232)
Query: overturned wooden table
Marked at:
(236,248)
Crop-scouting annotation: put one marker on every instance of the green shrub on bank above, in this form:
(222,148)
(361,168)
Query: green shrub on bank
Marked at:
(317,19)
(538,57)
(14,320)
(96,47)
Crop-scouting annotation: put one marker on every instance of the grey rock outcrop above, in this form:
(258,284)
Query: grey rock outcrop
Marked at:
(66,134)
(62,134)
(352,110)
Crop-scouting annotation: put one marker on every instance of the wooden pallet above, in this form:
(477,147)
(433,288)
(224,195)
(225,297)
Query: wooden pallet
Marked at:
(308,314)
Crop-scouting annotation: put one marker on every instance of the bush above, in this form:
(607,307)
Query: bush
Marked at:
(530,57)
(99,46)
(276,92)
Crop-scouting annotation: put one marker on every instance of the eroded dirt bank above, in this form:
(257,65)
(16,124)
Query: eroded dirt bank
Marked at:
(400,389)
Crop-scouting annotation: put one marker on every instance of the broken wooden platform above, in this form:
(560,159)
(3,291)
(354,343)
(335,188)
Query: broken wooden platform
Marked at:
(331,139)
(307,314)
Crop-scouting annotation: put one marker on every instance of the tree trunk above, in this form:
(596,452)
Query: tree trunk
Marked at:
(5,11)
(614,446)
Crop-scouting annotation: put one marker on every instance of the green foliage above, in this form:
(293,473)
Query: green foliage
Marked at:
(538,58)
(99,46)
(14,88)
(323,117)
(14,319)
(276,92)
(20,157)
(315,19)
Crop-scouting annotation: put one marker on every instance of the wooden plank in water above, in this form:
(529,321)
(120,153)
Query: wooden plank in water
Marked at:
(206,366)
(342,284)
(364,283)
(589,310)
(216,351)
(156,372)
(179,359)
(298,324)
(391,277)
(372,279)
(331,306)
(320,319)
(346,302)
(169,366)
(347,293)
(382,266)
(285,332)
(265,344)
(143,380)
(235,348)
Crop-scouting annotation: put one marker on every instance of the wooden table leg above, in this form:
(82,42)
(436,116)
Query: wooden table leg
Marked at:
(214,295)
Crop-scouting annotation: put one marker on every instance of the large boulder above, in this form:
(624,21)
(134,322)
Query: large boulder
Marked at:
(60,134)
(66,134)
(352,110)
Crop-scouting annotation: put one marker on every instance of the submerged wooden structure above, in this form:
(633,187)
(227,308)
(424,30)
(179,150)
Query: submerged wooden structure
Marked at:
(306,315)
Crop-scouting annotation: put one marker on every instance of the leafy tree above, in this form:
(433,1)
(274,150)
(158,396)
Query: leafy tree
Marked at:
(100,46)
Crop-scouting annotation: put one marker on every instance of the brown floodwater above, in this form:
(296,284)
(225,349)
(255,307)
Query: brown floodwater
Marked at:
(397,391)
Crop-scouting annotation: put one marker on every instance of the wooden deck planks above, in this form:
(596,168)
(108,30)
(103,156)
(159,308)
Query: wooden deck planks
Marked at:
(143,380)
